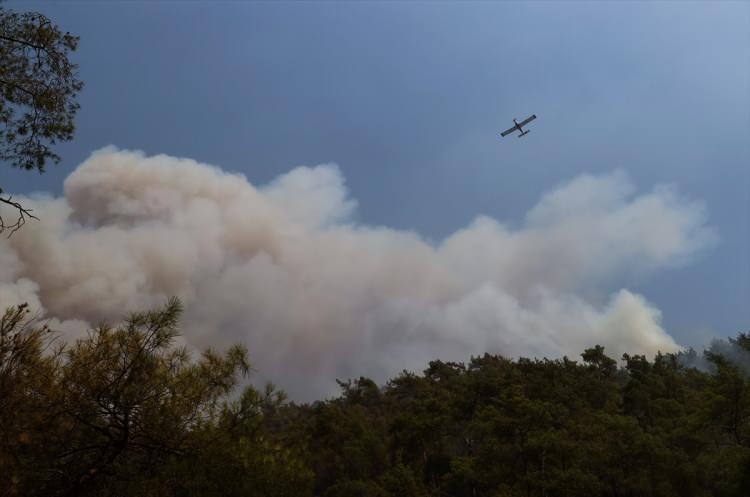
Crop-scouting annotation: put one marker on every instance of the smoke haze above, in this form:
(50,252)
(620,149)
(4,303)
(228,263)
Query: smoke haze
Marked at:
(315,296)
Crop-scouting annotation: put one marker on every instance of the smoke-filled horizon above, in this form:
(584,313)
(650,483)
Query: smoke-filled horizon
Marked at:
(285,269)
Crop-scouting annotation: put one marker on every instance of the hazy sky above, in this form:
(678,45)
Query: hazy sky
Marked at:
(408,99)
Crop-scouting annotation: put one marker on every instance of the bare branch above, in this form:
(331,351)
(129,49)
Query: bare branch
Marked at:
(38,89)
(22,213)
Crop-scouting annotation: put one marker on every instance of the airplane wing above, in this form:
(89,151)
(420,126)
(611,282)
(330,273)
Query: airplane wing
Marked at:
(509,131)
(527,120)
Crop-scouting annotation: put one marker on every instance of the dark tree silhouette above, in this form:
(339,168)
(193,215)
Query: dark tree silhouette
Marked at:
(38,89)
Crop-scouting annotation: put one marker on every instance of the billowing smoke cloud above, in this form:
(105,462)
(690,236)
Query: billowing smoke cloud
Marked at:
(315,296)
(732,350)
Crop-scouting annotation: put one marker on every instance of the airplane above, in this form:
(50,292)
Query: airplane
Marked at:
(518,127)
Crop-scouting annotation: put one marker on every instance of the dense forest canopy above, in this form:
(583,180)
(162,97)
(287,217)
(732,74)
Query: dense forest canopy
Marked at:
(126,412)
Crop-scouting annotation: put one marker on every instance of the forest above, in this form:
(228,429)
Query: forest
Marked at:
(125,411)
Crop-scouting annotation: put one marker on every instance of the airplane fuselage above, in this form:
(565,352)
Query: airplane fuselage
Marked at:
(519,128)
(516,125)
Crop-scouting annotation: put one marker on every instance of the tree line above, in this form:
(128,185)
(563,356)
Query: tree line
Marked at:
(124,411)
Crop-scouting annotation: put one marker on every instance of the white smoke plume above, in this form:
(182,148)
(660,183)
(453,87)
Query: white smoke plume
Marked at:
(284,269)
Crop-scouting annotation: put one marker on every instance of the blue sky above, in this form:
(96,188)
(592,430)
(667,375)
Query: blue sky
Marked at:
(408,99)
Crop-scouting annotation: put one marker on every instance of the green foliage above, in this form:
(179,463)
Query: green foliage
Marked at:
(38,90)
(38,87)
(125,412)
(495,427)
(29,391)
